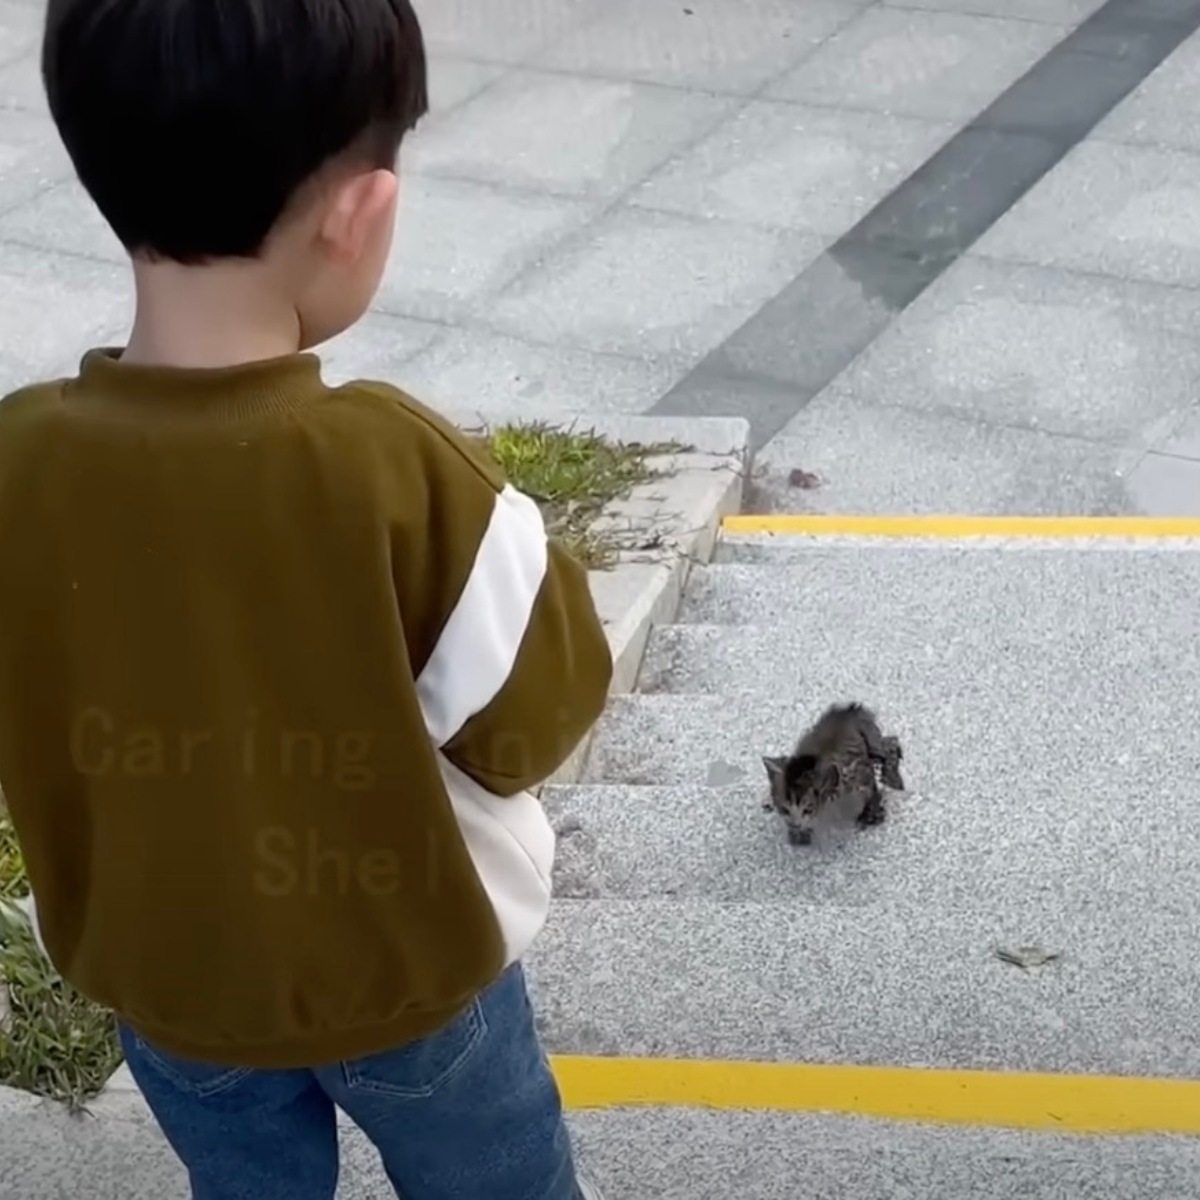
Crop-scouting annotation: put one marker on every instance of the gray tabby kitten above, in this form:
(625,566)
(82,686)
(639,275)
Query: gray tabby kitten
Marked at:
(844,756)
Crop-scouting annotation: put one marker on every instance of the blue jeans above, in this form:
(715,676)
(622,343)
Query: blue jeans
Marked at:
(469,1113)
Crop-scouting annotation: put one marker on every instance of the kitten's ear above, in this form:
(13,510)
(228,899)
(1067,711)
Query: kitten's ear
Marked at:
(871,735)
(774,767)
(890,775)
(831,777)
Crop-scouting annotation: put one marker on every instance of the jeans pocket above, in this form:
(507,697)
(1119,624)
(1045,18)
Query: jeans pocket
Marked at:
(194,1078)
(418,1070)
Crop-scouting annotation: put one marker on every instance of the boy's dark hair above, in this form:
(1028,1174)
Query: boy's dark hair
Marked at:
(193,123)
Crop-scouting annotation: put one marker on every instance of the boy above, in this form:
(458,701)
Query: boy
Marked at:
(278,662)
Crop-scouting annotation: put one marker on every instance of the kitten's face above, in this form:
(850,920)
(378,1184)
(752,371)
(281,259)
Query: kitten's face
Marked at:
(800,790)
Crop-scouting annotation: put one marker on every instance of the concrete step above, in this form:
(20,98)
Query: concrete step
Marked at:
(1069,654)
(678,1154)
(1063,810)
(698,843)
(911,984)
(690,1155)
(1049,809)
(700,932)
(779,549)
(755,549)
(1018,751)
(1000,854)
(1043,694)
(896,590)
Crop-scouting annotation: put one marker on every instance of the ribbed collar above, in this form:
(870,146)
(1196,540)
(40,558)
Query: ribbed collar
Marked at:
(221,394)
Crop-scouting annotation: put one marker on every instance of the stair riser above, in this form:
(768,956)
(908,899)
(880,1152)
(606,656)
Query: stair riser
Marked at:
(783,549)
(718,844)
(1032,745)
(855,590)
(1041,663)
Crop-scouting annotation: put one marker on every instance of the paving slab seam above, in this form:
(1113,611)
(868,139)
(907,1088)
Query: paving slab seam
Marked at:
(1021,18)
(1097,274)
(534,62)
(998,422)
(1091,273)
(475,324)
(63,251)
(738,103)
(533,67)
(451,110)
(1136,143)
(955,124)
(734,378)
(472,323)
(578,235)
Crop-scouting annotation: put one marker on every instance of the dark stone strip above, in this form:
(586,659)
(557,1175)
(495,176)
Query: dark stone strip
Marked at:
(797,343)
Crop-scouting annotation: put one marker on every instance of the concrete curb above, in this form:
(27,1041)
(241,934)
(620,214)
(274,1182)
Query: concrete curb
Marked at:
(680,516)
(674,521)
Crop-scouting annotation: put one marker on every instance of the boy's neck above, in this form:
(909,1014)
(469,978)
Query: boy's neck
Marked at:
(217,316)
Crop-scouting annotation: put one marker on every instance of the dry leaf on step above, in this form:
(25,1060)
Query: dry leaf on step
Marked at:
(1027,957)
(804,479)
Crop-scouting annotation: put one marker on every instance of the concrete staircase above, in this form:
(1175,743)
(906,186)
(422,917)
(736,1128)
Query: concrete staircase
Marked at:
(1046,694)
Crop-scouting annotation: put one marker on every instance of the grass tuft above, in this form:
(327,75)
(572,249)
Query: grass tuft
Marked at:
(54,1042)
(13,884)
(573,476)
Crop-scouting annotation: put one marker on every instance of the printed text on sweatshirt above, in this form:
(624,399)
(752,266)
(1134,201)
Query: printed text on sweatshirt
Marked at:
(279,664)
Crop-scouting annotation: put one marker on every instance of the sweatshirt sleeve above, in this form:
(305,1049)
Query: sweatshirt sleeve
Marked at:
(518,668)
(555,688)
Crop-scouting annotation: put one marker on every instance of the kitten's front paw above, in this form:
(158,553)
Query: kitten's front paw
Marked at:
(873,814)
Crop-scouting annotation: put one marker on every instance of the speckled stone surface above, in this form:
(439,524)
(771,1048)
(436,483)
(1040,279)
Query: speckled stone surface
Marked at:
(1031,349)
(1043,696)
(915,984)
(668,1154)
(610,191)
(1121,210)
(680,1155)
(916,63)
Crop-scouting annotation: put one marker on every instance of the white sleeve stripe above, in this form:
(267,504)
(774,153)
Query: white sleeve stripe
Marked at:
(478,646)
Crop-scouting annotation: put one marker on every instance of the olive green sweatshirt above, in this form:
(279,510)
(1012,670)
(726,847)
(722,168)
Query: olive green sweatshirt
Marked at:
(279,664)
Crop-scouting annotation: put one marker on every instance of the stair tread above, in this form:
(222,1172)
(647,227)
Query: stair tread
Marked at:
(905,984)
(864,592)
(679,1154)
(675,1154)
(776,549)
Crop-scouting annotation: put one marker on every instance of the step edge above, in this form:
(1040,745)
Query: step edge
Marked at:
(707,485)
(963,526)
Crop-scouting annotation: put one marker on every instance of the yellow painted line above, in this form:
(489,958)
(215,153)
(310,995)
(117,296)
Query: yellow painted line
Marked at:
(957,526)
(1083,1104)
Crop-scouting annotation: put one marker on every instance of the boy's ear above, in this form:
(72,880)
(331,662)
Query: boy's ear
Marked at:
(356,206)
